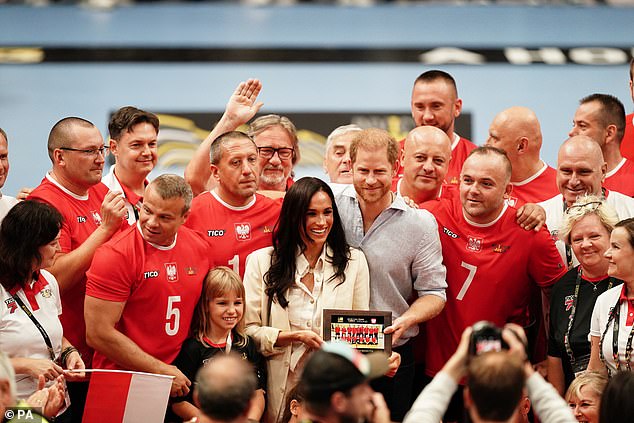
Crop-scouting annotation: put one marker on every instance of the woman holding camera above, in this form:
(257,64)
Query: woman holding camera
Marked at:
(310,267)
(586,231)
(612,327)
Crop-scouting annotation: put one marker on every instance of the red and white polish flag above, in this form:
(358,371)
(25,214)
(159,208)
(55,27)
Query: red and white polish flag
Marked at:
(118,396)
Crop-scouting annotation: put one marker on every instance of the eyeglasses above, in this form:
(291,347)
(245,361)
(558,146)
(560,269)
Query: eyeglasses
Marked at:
(93,152)
(283,153)
(592,205)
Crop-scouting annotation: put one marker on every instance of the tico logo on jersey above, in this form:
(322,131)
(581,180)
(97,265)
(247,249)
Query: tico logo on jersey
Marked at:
(151,274)
(172,272)
(450,233)
(216,232)
(474,244)
(243,231)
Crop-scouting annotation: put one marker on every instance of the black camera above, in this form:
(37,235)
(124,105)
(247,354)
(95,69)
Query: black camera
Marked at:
(486,337)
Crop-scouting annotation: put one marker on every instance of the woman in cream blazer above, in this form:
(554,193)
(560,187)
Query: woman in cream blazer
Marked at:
(309,268)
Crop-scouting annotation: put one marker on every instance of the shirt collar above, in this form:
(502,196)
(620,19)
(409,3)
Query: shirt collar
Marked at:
(302,265)
(623,296)
(132,197)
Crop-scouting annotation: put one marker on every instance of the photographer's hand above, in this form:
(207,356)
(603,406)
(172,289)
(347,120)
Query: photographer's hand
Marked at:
(515,338)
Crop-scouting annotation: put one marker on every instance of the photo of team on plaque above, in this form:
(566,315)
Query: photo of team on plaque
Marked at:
(362,330)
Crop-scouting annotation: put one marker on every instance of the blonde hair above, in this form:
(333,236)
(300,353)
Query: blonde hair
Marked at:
(375,139)
(219,281)
(594,380)
(586,205)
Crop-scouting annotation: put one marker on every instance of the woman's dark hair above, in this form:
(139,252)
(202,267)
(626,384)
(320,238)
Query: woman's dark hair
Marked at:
(28,226)
(628,225)
(287,238)
(616,401)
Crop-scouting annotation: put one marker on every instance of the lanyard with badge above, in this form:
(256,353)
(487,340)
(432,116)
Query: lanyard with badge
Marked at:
(579,365)
(47,339)
(615,317)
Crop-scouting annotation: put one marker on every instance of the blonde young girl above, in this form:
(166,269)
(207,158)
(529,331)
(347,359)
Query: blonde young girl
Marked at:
(218,328)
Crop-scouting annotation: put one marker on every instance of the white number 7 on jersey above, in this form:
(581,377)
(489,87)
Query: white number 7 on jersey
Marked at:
(472,271)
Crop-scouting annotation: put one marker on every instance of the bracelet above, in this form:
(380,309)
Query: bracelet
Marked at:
(66,352)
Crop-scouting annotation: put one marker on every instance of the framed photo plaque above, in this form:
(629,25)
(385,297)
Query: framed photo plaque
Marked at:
(363,330)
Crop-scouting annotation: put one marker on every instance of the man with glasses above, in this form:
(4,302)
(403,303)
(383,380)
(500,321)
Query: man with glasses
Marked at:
(233,217)
(274,135)
(92,214)
(133,142)
(581,170)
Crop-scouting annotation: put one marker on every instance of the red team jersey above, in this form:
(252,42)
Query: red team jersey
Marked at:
(537,188)
(621,178)
(460,149)
(234,232)
(490,271)
(159,285)
(627,144)
(81,218)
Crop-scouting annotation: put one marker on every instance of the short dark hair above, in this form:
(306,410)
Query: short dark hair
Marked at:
(28,226)
(124,119)
(287,238)
(487,150)
(632,69)
(628,225)
(169,186)
(616,401)
(495,381)
(4,134)
(222,397)
(612,111)
(435,75)
(215,151)
(61,132)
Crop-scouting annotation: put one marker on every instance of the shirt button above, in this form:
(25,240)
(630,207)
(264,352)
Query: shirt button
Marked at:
(308,324)
(313,302)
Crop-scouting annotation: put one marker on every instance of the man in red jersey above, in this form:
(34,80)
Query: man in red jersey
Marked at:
(92,214)
(516,131)
(602,118)
(492,263)
(133,141)
(627,145)
(426,158)
(144,284)
(235,219)
(435,102)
